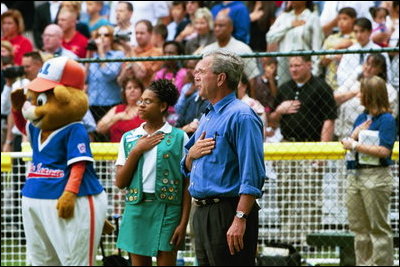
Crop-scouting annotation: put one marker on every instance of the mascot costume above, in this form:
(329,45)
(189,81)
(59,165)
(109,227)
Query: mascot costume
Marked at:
(63,203)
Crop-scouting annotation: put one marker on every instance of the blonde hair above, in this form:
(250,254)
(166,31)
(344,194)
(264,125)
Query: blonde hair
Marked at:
(205,13)
(74,5)
(7,45)
(17,17)
(374,96)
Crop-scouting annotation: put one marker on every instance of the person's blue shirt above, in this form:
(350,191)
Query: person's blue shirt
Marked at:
(240,17)
(385,124)
(236,164)
(103,89)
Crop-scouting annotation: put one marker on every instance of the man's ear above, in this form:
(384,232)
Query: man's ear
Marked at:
(309,65)
(221,78)
(62,94)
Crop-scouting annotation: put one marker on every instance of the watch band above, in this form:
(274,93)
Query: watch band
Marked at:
(241,214)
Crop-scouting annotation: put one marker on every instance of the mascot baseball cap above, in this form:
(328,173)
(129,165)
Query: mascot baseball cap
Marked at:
(58,71)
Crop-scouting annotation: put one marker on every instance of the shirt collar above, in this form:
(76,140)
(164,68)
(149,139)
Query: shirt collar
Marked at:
(166,128)
(58,52)
(224,102)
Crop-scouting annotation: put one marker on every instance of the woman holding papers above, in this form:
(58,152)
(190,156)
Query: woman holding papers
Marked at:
(369,177)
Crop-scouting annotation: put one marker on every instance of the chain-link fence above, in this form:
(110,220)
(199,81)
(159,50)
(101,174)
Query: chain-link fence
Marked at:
(331,94)
(304,198)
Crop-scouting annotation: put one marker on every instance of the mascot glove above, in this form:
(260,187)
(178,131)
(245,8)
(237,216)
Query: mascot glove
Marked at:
(18,99)
(108,228)
(66,204)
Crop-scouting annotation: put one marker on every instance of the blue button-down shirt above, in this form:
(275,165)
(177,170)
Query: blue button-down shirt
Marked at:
(236,165)
(103,89)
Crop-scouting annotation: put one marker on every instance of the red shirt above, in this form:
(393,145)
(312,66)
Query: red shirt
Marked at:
(123,126)
(21,45)
(77,44)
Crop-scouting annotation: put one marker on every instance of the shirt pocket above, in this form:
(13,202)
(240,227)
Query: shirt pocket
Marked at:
(222,151)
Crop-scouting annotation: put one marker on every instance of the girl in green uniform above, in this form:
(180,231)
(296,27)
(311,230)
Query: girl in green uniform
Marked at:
(148,167)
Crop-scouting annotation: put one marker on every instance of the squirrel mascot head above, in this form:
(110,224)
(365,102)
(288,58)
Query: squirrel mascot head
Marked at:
(56,97)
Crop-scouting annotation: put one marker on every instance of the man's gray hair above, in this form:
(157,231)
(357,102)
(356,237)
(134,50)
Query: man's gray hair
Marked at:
(230,64)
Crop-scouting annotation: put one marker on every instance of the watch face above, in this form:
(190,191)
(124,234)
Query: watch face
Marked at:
(240,214)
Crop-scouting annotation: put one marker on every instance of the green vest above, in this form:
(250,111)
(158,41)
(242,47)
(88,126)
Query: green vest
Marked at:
(169,179)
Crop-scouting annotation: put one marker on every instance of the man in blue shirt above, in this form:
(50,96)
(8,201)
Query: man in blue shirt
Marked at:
(240,16)
(225,163)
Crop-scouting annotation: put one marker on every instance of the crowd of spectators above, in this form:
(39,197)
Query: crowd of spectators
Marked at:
(299,98)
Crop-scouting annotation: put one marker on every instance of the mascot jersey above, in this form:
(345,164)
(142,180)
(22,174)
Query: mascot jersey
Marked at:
(52,159)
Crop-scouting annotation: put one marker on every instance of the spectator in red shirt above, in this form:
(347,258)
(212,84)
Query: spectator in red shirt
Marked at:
(123,117)
(72,39)
(12,27)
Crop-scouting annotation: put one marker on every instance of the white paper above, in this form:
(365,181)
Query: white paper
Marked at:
(368,137)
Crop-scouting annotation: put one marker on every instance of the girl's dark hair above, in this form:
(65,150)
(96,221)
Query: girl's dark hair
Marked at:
(374,11)
(178,46)
(125,82)
(165,90)
(380,61)
(349,11)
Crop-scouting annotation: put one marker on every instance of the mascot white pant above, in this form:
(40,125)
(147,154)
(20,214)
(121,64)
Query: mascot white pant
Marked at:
(54,241)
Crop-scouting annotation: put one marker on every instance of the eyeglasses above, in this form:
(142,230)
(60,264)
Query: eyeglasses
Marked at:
(145,102)
(48,35)
(103,34)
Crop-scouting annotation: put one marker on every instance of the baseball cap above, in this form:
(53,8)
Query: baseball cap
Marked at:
(58,71)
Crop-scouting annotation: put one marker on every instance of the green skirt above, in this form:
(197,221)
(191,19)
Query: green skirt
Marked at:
(147,227)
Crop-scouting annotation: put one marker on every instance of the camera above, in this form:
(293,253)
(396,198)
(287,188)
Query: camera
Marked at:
(13,72)
(91,46)
(122,37)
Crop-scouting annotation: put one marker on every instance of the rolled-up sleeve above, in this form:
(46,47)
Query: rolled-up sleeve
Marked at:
(250,152)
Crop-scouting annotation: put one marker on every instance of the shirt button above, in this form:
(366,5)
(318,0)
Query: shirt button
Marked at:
(166,156)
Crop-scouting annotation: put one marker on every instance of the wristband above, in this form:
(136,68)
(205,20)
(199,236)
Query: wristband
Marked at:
(354,145)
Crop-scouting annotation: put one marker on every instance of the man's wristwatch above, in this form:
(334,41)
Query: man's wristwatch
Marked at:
(241,215)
